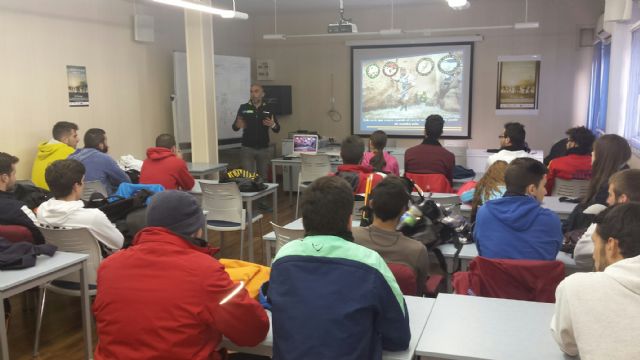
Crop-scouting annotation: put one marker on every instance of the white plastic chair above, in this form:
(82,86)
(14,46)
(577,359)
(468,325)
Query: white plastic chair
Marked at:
(91,187)
(570,188)
(223,202)
(284,235)
(311,168)
(75,241)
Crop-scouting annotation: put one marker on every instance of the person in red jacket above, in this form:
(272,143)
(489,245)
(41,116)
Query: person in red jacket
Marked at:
(166,297)
(352,151)
(164,166)
(576,164)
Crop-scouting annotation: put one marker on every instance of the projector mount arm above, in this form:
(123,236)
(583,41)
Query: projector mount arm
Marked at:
(342,20)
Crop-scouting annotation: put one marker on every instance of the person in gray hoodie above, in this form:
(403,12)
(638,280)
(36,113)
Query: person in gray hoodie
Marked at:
(597,314)
(99,166)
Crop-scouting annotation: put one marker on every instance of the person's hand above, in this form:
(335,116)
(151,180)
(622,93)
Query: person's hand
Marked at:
(268,122)
(240,123)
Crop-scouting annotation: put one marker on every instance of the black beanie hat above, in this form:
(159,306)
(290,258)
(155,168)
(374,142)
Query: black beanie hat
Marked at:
(177,211)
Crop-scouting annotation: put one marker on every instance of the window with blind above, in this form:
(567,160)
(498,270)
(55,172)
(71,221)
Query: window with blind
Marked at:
(632,123)
(597,114)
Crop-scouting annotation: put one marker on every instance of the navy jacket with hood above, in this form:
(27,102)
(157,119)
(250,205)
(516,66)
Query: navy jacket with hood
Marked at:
(517,227)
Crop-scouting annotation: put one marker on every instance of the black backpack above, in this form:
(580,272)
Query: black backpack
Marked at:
(31,195)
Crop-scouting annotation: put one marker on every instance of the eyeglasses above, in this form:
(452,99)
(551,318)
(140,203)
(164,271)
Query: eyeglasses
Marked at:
(501,136)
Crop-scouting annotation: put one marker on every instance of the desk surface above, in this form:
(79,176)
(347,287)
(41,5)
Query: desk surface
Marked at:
(44,265)
(204,167)
(419,310)
(550,202)
(197,190)
(471,327)
(297,225)
(470,251)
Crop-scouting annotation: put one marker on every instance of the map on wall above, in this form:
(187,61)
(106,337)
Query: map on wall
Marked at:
(233,79)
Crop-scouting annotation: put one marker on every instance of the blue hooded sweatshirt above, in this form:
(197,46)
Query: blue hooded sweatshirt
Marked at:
(100,167)
(517,227)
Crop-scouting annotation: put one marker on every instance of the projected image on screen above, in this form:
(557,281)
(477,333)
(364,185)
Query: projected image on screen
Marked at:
(396,94)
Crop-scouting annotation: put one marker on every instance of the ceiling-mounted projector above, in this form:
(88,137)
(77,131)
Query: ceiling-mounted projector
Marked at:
(343,25)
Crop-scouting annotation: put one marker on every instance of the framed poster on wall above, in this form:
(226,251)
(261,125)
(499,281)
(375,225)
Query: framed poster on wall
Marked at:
(518,85)
(77,85)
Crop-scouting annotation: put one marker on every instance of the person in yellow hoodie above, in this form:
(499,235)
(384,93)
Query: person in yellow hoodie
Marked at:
(64,142)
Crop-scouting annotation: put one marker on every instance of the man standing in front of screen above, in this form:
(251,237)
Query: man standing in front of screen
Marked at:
(255,118)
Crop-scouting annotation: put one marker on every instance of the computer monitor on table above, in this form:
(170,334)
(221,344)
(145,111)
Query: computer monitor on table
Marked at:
(305,144)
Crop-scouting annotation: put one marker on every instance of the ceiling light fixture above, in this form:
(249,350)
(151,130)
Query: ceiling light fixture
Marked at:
(227,14)
(275,35)
(458,4)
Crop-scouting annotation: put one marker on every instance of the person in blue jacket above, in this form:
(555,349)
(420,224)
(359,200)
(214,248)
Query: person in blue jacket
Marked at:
(332,298)
(516,226)
(99,166)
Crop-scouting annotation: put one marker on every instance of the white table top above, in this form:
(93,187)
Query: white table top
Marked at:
(205,167)
(197,190)
(470,327)
(470,251)
(550,202)
(44,265)
(297,225)
(419,310)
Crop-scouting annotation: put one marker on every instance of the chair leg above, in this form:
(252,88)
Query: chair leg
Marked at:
(42,296)
(241,244)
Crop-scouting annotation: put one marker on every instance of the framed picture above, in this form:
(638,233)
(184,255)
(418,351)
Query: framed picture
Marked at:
(518,84)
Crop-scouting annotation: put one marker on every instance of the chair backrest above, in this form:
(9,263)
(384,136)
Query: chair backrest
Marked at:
(16,233)
(91,187)
(75,241)
(529,280)
(570,188)
(357,210)
(284,235)
(313,166)
(431,182)
(405,277)
(222,201)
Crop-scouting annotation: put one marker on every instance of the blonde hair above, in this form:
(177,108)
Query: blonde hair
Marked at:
(488,185)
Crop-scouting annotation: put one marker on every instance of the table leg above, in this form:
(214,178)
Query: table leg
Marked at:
(275,206)
(273,172)
(4,344)
(291,187)
(250,216)
(267,252)
(86,313)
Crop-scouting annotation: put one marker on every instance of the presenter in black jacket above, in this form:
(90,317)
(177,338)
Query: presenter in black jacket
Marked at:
(256,118)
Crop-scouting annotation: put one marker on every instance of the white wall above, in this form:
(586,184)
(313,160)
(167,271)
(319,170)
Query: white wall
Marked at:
(307,65)
(129,82)
(618,77)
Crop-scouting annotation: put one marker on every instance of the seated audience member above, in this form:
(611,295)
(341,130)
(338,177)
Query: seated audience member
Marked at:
(167,296)
(512,144)
(351,151)
(610,155)
(99,166)
(624,186)
(597,313)
(491,186)
(332,298)
(430,157)
(66,178)
(557,150)
(164,166)
(63,144)
(379,159)
(516,226)
(389,201)
(13,211)
(576,164)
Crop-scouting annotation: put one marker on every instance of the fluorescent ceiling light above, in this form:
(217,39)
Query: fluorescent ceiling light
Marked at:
(227,14)
(458,4)
(526,25)
(274,37)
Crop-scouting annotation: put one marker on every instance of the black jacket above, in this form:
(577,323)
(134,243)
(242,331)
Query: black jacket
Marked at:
(14,212)
(255,135)
(21,255)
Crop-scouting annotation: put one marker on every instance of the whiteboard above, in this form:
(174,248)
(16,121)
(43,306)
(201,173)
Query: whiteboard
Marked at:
(233,80)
